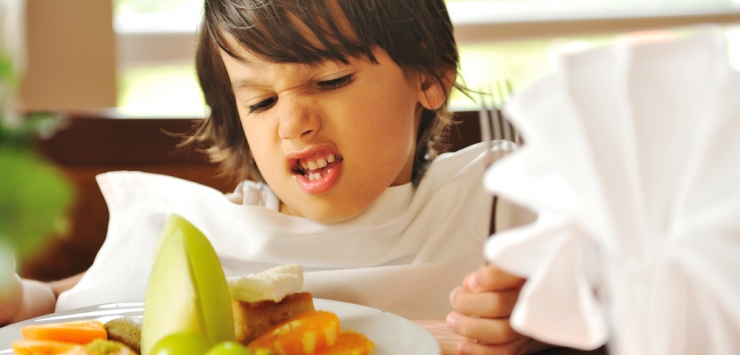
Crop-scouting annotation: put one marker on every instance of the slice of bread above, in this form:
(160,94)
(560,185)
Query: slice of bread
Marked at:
(251,319)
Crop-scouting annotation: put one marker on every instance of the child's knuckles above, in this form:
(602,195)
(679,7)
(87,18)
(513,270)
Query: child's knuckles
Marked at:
(487,331)
(463,300)
(509,335)
(488,304)
(478,304)
(492,305)
(462,325)
(491,278)
(505,302)
(477,329)
(470,282)
(454,297)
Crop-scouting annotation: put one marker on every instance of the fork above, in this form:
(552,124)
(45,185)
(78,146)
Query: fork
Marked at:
(494,126)
(492,123)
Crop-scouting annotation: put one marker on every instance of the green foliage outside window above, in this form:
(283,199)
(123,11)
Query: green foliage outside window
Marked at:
(34,195)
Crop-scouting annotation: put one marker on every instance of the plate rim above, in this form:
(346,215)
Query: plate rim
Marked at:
(11,332)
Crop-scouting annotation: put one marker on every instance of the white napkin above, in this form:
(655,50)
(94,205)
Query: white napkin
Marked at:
(632,158)
(404,254)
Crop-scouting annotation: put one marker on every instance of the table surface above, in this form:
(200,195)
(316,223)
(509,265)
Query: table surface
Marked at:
(448,340)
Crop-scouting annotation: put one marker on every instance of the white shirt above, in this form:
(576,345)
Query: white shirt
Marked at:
(404,254)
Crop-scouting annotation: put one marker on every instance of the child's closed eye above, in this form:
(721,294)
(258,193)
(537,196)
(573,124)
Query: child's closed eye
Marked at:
(263,105)
(322,85)
(336,83)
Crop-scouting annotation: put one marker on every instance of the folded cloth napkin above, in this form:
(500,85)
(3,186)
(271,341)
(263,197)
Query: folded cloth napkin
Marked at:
(633,162)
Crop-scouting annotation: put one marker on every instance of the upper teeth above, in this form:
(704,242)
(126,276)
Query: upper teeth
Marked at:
(319,163)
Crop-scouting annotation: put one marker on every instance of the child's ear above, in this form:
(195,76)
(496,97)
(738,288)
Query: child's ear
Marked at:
(434,90)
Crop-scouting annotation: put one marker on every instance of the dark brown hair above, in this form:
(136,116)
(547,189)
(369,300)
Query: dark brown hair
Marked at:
(416,34)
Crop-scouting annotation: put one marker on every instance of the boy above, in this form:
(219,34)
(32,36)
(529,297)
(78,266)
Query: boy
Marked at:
(332,113)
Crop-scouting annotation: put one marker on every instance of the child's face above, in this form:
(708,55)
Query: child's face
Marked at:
(328,139)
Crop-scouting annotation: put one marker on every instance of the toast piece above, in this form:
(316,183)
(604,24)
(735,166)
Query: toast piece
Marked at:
(251,319)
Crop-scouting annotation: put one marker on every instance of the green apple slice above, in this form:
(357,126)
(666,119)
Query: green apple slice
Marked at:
(187,290)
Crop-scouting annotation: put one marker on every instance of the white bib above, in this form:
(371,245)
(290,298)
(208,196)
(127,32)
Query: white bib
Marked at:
(404,254)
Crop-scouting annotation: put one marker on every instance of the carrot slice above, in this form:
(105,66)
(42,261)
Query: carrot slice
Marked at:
(42,347)
(79,332)
(350,343)
(304,334)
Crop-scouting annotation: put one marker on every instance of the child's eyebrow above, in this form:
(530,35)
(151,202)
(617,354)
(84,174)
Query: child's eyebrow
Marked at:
(246,83)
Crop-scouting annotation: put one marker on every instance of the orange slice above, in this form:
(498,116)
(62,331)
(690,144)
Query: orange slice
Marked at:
(78,332)
(304,334)
(42,347)
(350,343)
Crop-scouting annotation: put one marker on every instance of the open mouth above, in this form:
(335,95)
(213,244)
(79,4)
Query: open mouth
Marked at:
(316,167)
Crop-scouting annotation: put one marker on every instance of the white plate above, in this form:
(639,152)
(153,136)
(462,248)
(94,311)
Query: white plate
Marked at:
(390,333)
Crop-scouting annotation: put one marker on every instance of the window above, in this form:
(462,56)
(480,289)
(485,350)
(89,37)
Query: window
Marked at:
(155,44)
(499,40)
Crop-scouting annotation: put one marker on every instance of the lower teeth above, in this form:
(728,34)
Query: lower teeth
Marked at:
(315,176)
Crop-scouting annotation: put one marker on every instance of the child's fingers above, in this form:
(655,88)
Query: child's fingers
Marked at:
(484,304)
(483,330)
(490,278)
(11,299)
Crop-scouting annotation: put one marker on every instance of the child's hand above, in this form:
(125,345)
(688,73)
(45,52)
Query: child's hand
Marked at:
(482,309)
(11,298)
(23,299)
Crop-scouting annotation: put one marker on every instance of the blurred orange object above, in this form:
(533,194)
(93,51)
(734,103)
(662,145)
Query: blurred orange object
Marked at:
(42,347)
(307,333)
(350,343)
(78,332)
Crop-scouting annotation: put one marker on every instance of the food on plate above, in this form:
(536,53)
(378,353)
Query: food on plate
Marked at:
(271,284)
(87,337)
(187,290)
(47,347)
(181,344)
(350,343)
(316,333)
(125,330)
(77,332)
(231,348)
(252,319)
(272,315)
(103,347)
(50,347)
(264,299)
(189,299)
(188,309)
(307,333)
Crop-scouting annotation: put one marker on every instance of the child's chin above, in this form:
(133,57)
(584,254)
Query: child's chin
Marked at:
(332,218)
(327,213)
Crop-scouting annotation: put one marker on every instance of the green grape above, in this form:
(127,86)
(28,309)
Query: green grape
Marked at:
(229,348)
(181,344)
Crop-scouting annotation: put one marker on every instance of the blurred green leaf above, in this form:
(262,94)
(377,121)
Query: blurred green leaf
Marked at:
(34,197)
(23,135)
(7,75)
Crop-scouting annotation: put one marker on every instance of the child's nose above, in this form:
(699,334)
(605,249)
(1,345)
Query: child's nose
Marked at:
(298,119)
